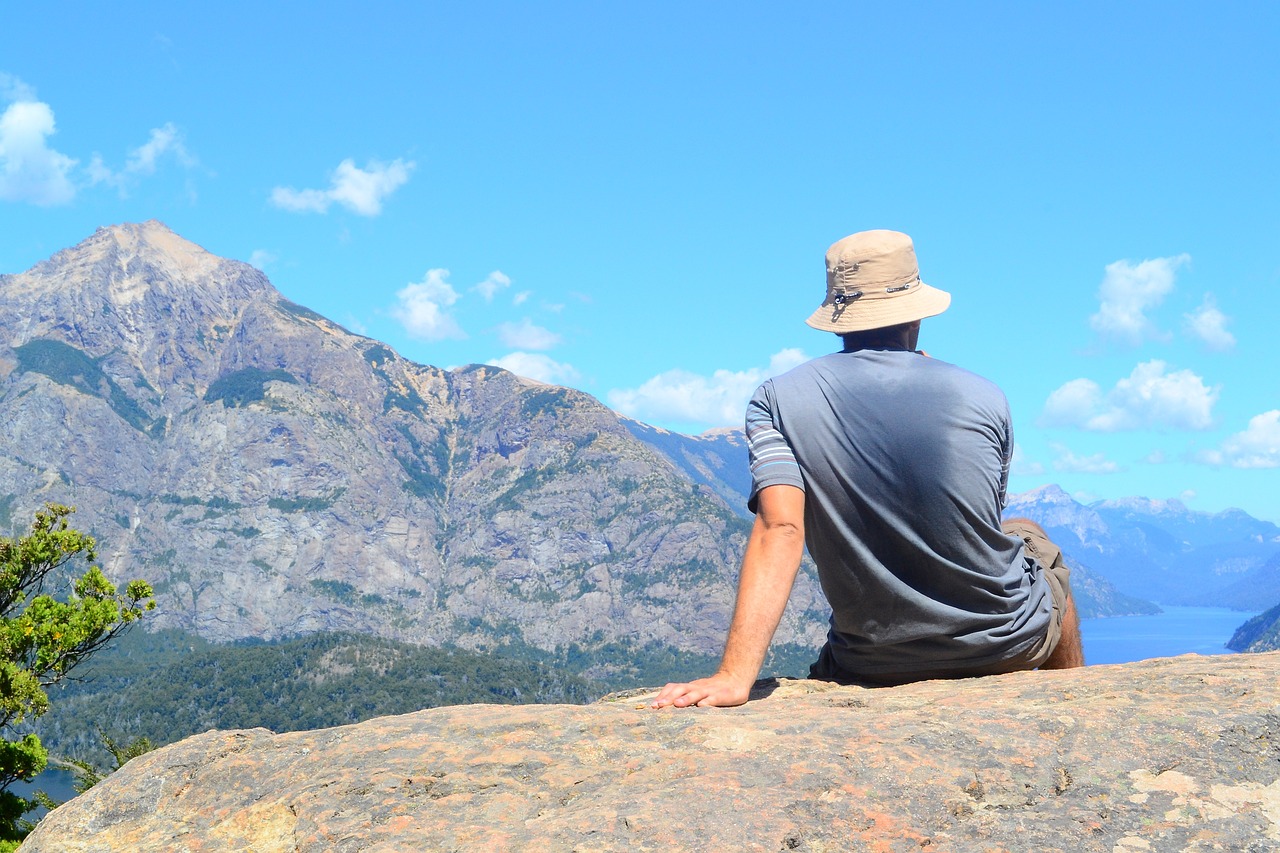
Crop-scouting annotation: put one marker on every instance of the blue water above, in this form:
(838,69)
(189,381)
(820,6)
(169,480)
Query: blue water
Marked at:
(1176,631)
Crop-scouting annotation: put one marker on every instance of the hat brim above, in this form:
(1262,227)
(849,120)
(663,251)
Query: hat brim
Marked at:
(923,301)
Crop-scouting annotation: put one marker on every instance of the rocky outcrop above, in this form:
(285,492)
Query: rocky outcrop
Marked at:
(1175,754)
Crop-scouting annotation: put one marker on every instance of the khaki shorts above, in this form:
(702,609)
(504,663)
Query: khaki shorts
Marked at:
(1049,556)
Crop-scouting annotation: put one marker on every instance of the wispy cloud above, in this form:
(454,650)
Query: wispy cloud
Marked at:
(30,170)
(1257,446)
(1022,465)
(1128,291)
(495,281)
(717,400)
(361,191)
(526,335)
(262,258)
(423,308)
(537,366)
(1209,324)
(165,142)
(13,89)
(1095,463)
(1150,397)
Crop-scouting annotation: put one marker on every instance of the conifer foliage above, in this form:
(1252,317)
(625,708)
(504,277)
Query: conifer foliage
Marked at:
(52,618)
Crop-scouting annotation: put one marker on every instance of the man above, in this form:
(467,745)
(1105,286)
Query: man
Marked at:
(892,467)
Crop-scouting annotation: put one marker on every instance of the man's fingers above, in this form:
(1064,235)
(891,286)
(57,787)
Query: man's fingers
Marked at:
(680,695)
(711,692)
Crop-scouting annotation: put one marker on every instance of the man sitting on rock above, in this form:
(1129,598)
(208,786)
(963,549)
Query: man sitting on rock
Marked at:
(892,467)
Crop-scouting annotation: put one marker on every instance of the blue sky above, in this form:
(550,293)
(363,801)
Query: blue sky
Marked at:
(635,199)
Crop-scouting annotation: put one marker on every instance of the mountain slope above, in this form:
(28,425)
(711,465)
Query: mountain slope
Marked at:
(1160,549)
(273,474)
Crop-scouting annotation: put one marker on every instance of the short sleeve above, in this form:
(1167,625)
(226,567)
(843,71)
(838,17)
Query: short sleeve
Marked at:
(771,458)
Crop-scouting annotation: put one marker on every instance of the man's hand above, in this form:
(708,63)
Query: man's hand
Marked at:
(768,571)
(719,691)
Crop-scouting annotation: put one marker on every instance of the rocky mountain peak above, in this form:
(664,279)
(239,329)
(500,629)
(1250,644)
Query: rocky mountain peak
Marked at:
(273,474)
(159,308)
(1145,506)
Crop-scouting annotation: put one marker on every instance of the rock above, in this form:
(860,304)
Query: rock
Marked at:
(1173,754)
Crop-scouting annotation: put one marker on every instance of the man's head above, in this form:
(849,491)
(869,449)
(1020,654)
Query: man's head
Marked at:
(873,282)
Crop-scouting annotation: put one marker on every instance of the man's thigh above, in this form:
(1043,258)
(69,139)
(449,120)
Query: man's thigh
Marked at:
(1049,556)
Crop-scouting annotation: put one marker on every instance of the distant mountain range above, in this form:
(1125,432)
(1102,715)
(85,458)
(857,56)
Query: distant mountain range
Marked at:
(273,474)
(1163,551)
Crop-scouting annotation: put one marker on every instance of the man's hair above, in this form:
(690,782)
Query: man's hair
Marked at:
(872,338)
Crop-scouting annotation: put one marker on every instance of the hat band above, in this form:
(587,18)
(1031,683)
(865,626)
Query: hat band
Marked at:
(846,297)
(848,294)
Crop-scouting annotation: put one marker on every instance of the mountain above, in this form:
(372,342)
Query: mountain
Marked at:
(273,474)
(715,460)
(1259,634)
(1162,550)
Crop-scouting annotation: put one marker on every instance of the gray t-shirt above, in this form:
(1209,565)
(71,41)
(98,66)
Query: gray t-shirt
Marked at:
(904,461)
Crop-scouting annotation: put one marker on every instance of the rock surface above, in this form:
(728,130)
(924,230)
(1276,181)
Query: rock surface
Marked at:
(1174,754)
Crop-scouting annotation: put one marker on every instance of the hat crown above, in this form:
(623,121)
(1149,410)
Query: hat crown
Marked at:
(873,281)
(872,259)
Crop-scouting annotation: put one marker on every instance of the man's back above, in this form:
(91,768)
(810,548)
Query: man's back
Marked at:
(891,467)
(904,461)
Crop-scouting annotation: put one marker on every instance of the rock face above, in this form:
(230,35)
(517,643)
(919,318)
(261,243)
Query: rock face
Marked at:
(1175,754)
(272,474)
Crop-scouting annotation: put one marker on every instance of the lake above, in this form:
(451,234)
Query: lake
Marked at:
(1176,631)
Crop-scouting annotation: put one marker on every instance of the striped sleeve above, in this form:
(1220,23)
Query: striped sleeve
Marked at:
(771,458)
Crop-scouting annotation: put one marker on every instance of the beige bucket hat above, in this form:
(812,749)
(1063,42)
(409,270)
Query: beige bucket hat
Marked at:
(873,281)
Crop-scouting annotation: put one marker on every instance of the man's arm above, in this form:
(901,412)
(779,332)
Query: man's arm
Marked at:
(768,571)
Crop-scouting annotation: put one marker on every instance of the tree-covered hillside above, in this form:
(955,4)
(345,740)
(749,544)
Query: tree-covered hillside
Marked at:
(1259,634)
(170,685)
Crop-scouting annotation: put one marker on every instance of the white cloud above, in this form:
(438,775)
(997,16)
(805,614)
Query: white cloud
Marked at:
(521,298)
(1096,463)
(1148,398)
(1128,291)
(164,142)
(1210,325)
(261,258)
(1258,446)
(719,399)
(13,89)
(1022,466)
(30,170)
(526,335)
(422,308)
(359,190)
(537,366)
(494,282)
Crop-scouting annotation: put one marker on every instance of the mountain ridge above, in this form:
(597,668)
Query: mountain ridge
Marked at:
(273,474)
